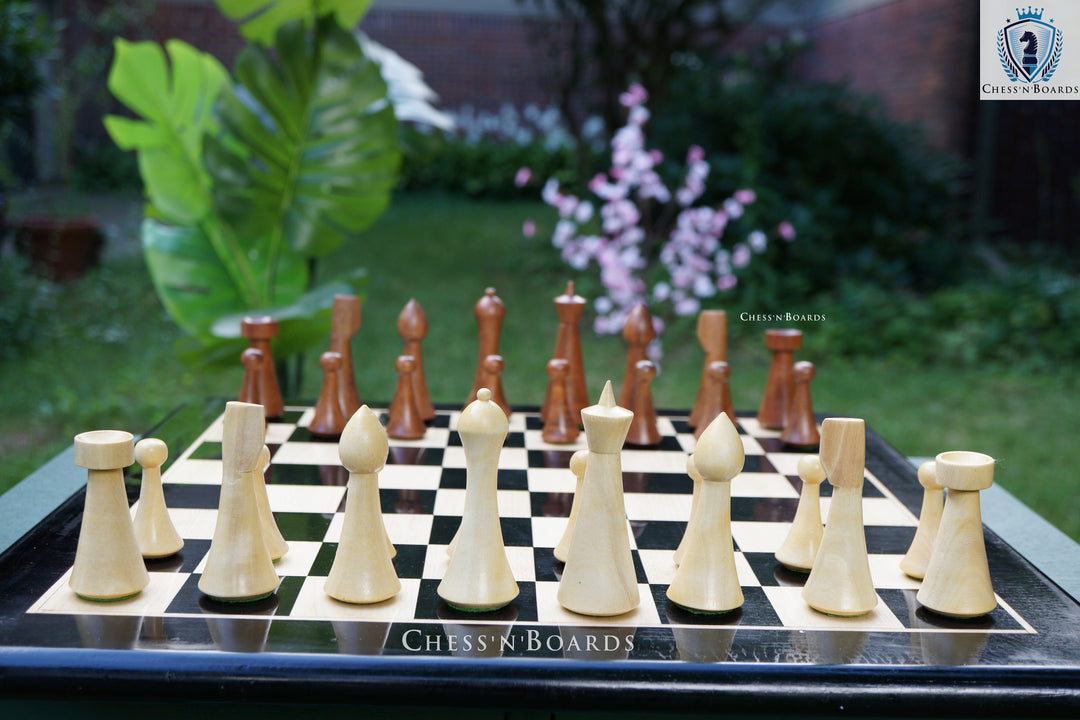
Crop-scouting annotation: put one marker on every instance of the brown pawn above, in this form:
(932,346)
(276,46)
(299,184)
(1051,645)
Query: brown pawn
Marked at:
(252,360)
(717,395)
(712,334)
(780,384)
(329,420)
(489,312)
(259,331)
(344,324)
(560,423)
(405,422)
(492,367)
(643,430)
(412,326)
(801,429)
(569,307)
(638,332)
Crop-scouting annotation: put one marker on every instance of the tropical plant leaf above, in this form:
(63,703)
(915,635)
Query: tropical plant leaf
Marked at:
(194,285)
(262,18)
(174,100)
(309,149)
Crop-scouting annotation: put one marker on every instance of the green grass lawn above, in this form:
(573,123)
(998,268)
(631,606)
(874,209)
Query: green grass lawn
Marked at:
(105,359)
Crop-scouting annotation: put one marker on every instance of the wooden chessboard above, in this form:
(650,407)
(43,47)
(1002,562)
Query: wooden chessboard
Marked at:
(422,489)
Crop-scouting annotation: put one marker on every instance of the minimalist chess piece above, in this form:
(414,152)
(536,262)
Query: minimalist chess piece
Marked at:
(577,466)
(957,581)
(362,571)
(643,430)
(638,332)
(405,422)
(780,384)
(490,313)
(329,418)
(717,395)
(695,502)
(412,326)
(154,530)
(344,324)
(712,334)
(478,576)
(840,583)
(560,424)
(569,307)
(260,331)
(800,428)
(933,503)
(706,580)
(275,543)
(108,564)
(238,565)
(252,360)
(804,536)
(599,577)
(493,367)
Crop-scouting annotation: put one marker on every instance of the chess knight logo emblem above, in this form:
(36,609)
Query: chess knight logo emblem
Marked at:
(1029,48)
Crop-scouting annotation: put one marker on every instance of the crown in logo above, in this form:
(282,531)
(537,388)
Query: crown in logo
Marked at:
(1030,14)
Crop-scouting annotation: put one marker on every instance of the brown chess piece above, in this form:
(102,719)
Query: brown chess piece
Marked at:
(801,429)
(329,420)
(412,326)
(717,395)
(569,307)
(490,313)
(712,334)
(259,331)
(493,366)
(252,360)
(344,324)
(560,425)
(643,430)
(780,384)
(638,332)
(405,422)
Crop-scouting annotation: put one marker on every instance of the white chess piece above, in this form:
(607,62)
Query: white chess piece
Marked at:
(577,467)
(804,536)
(275,543)
(154,529)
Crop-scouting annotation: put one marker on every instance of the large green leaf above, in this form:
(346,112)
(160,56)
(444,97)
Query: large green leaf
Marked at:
(264,17)
(194,285)
(174,100)
(309,152)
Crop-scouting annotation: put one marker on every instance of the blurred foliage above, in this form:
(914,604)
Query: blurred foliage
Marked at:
(26,38)
(26,307)
(869,197)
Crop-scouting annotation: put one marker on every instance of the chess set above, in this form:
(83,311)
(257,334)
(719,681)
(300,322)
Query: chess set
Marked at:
(1032,629)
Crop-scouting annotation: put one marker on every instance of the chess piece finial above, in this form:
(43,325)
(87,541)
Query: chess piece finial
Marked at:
(362,571)
(154,529)
(108,564)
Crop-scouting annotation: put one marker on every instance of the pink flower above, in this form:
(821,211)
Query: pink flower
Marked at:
(521,179)
(786,230)
(695,154)
(634,95)
(745,196)
(726,282)
(528,228)
(740,256)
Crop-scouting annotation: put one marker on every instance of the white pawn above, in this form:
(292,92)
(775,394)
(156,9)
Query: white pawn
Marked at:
(154,529)
(275,543)
(108,564)
(957,581)
(933,503)
(706,580)
(478,576)
(362,570)
(840,582)
(804,537)
(599,577)
(695,502)
(577,466)
(238,566)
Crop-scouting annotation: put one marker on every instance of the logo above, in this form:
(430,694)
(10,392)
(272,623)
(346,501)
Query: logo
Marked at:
(1029,48)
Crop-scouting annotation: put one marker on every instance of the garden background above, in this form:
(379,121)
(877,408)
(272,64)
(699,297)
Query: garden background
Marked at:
(934,233)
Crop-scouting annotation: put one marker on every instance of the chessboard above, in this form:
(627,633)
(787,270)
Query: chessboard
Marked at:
(422,490)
